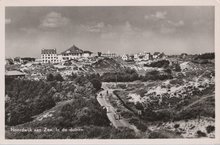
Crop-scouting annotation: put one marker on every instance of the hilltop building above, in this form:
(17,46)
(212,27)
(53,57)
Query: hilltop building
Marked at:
(72,53)
(49,56)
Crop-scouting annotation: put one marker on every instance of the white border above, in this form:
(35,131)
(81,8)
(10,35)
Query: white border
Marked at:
(4,3)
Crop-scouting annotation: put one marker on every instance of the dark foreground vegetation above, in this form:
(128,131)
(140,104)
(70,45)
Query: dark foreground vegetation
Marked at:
(72,107)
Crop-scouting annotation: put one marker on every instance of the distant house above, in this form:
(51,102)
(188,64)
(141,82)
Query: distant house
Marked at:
(125,57)
(27,59)
(157,55)
(147,56)
(109,55)
(9,61)
(14,74)
(142,56)
(87,54)
(136,56)
(183,55)
(38,60)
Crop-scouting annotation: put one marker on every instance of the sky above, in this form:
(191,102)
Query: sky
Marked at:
(116,29)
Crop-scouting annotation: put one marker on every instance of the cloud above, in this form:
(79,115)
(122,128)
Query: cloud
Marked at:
(29,30)
(54,20)
(156,16)
(171,26)
(176,24)
(7,21)
(167,30)
(95,27)
(109,35)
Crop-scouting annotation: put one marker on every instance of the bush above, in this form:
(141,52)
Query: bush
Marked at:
(97,84)
(155,75)
(50,77)
(160,64)
(58,77)
(210,128)
(206,56)
(201,134)
(176,126)
(176,67)
(128,75)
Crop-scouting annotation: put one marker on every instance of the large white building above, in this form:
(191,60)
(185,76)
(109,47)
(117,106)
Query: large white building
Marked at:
(49,56)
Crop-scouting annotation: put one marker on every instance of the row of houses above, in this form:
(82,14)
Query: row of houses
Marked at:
(143,56)
(51,56)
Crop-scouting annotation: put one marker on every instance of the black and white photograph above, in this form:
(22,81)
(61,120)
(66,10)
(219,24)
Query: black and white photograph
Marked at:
(109,72)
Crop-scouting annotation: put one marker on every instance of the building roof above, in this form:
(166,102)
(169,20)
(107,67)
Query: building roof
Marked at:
(73,50)
(48,51)
(87,52)
(156,53)
(14,73)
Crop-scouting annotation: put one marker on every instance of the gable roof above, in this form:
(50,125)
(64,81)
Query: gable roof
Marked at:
(156,53)
(87,52)
(73,50)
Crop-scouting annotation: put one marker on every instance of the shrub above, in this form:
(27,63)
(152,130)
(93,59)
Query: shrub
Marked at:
(206,56)
(50,77)
(176,126)
(160,63)
(210,128)
(96,84)
(58,77)
(201,134)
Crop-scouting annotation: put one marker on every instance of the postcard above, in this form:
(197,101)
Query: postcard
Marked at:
(108,72)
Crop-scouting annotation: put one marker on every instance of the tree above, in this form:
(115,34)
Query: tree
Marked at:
(210,129)
(50,77)
(176,67)
(58,77)
(139,106)
(99,54)
(96,84)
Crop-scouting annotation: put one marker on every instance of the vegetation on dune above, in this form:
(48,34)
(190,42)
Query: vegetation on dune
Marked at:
(70,102)
(27,98)
(206,56)
(130,75)
(38,98)
(159,64)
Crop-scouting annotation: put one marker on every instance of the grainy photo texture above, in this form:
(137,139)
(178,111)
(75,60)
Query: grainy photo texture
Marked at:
(109,72)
